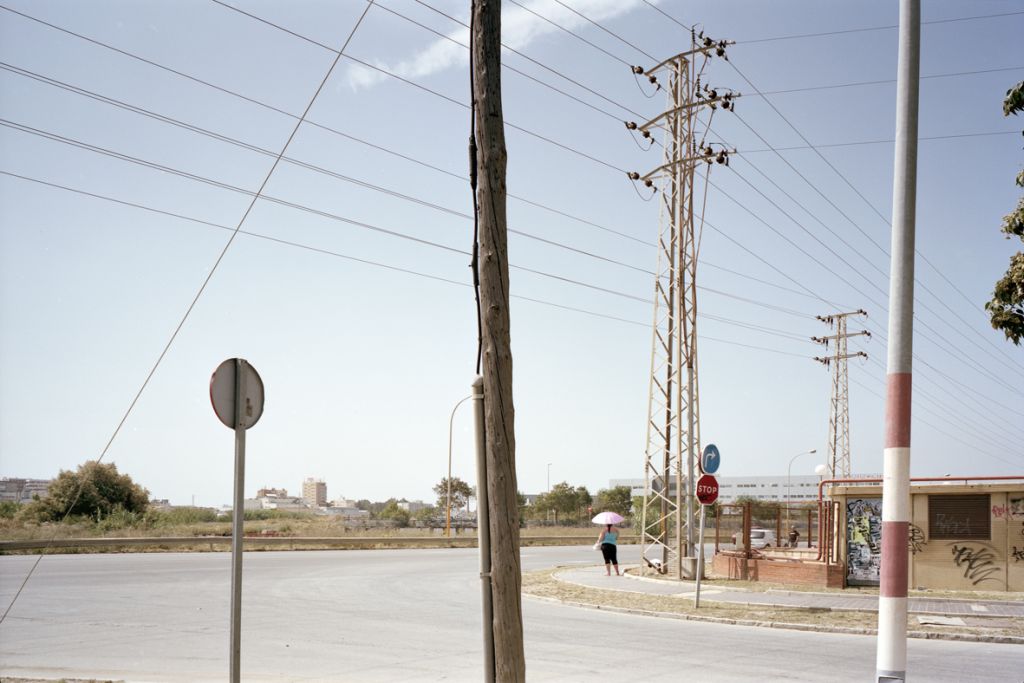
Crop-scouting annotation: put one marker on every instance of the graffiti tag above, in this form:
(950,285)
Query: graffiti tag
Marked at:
(916,539)
(999,511)
(948,525)
(977,563)
(1017,555)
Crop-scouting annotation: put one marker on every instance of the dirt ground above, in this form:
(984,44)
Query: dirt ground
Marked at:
(543,584)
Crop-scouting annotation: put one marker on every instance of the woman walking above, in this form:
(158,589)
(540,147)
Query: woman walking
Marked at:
(609,548)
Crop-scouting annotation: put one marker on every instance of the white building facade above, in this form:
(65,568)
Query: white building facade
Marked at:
(800,488)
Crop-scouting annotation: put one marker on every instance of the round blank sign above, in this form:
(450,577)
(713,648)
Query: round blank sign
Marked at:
(222,393)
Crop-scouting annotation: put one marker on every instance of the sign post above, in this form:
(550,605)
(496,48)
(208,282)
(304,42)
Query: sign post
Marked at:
(236,392)
(707,494)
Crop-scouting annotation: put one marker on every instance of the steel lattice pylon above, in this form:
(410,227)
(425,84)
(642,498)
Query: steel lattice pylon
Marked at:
(839,413)
(673,421)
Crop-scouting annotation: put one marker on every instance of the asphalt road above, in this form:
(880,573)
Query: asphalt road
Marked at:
(394,615)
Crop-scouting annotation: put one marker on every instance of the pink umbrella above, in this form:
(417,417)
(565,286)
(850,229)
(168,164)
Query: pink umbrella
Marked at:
(607,518)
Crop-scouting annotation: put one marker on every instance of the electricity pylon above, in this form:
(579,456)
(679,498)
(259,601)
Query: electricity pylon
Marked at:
(673,418)
(839,415)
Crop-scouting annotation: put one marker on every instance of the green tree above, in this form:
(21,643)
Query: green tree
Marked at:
(615,499)
(1006,308)
(563,499)
(425,514)
(8,508)
(461,493)
(394,513)
(94,490)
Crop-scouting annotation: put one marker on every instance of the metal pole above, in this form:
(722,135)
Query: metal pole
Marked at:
(690,458)
(789,468)
(483,530)
(237,523)
(448,496)
(891,659)
(700,558)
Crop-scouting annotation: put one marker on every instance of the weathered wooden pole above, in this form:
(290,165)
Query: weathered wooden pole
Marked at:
(499,413)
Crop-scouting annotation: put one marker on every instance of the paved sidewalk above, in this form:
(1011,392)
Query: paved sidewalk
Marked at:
(594,577)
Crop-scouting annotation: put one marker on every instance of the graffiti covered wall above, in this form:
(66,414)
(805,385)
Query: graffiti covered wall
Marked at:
(951,548)
(863,541)
(983,564)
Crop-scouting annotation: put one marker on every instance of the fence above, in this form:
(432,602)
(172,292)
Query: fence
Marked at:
(746,526)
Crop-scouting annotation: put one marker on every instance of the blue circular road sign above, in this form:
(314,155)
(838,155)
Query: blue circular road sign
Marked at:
(710,459)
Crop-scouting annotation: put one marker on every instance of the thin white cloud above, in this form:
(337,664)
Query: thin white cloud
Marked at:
(519,29)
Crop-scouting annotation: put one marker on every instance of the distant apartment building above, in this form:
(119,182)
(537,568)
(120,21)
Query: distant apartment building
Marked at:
(275,503)
(346,512)
(314,492)
(275,493)
(412,506)
(22,490)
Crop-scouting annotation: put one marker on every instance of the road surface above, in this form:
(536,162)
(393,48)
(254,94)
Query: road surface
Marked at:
(394,615)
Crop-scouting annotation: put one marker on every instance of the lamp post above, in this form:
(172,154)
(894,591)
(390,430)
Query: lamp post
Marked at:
(549,477)
(448,496)
(789,481)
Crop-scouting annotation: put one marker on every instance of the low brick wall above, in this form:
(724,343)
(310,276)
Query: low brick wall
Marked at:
(788,572)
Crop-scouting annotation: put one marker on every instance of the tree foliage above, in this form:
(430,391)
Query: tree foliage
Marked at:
(1006,308)
(95,490)
(461,493)
(394,513)
(617,499)
(565,500)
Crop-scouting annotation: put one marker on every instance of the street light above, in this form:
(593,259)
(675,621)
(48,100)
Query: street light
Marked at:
(549,477)
(448,496)
(789,481)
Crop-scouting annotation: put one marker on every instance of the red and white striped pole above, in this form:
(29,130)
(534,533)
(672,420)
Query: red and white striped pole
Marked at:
(891,659)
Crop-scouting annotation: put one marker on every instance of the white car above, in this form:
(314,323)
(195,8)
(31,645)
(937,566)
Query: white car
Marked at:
(759,538)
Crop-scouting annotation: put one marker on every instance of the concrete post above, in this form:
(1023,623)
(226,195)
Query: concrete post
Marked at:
(891,659)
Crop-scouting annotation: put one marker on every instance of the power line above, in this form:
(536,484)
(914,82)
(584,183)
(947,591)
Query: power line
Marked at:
(839,237)
(851,186)
(299,163)
(874,28)
(192,305)
(523,56)
(424,88)
(327,252)
(917,418)
(196,129)
(978,432)
(315,124)
(858,84)
(859,194)
(611,33)
(578,37)
(336,217)
(877,142)
(839,31)
(448,98)
(751,185)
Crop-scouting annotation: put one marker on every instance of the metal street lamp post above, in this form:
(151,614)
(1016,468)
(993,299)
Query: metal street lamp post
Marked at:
(789,482)
(448,496)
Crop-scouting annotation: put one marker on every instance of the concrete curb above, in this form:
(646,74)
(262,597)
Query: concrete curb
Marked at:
(924,635)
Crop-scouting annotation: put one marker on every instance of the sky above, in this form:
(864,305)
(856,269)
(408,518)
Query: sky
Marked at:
(134,135)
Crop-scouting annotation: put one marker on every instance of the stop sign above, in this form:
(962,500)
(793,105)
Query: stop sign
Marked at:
(707,489)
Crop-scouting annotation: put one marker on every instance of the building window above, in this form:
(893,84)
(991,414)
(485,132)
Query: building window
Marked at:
(954,518)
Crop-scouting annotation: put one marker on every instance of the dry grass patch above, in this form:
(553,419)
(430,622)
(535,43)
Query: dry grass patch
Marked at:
(544,584)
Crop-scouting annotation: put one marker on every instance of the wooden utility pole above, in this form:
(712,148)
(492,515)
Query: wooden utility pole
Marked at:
(499,413)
